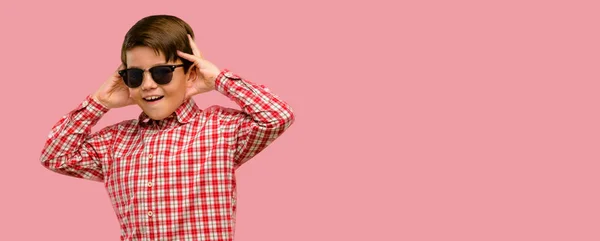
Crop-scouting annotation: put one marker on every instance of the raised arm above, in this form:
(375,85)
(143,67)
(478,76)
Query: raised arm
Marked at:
(71,149)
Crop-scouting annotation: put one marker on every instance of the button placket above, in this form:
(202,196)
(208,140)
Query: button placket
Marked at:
(150,184)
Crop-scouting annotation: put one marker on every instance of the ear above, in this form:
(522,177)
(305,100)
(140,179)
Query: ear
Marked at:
(192,76)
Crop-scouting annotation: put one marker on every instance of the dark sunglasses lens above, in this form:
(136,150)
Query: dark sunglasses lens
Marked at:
(133,77)
(162,74)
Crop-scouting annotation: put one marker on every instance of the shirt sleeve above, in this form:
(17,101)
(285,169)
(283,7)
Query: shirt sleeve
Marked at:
(71,149)
(262,119)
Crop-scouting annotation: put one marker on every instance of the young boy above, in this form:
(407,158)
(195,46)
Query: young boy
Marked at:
(170,174)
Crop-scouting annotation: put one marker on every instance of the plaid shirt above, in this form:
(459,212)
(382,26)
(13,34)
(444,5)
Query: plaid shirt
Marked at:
(172,179)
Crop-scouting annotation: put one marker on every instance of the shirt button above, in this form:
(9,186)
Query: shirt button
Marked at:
(149,184)
(150,156)
(150,213)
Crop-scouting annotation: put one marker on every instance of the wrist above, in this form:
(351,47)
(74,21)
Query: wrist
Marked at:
(211,84)
(211,81)
(97,100)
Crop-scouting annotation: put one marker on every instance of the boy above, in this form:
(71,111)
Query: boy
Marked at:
(170,174)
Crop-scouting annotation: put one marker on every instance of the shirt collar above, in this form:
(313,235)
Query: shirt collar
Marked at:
(184,113)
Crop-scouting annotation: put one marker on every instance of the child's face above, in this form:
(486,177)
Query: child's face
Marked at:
(170,95)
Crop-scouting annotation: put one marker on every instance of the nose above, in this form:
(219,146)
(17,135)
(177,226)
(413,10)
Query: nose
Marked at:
(147,82)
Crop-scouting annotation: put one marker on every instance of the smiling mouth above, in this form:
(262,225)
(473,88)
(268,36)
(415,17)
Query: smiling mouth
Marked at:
(153,98)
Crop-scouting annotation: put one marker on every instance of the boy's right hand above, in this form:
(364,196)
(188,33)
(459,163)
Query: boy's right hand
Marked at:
(114,93)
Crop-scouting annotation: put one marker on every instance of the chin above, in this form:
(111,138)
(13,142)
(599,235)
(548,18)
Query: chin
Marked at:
(155,113)
(157,116)
(159,110)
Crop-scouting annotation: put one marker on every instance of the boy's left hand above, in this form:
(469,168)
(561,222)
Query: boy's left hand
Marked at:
(206,71)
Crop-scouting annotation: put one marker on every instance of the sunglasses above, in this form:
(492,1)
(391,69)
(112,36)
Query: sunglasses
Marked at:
(161,74)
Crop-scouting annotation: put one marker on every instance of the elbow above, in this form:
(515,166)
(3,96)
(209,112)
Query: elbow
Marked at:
(48,163)
(287,118)
(51,162)
(291,117)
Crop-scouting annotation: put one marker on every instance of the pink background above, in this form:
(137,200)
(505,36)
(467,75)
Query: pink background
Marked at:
(436,120)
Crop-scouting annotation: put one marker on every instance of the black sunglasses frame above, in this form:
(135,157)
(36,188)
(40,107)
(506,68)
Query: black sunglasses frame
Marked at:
(123,74)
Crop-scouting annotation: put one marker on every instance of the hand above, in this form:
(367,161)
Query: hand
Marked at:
(206,71)
(114,93)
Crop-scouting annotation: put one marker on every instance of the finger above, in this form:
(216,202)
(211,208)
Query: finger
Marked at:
(193,45)
(191,58)
(187,56)
(119,68)
(195,49)
(116,73)
(194,59)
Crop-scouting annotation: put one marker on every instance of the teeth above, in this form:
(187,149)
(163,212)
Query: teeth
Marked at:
(152,98)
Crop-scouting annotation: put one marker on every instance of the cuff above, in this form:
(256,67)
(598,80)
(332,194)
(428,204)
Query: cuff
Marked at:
(224,78)
(94,106)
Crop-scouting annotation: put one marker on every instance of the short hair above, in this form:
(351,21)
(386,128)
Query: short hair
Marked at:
(163,33)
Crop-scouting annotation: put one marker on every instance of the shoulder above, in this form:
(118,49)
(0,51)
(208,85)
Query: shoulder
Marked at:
(127,124)
(222,111)
(224,114)
(120,127)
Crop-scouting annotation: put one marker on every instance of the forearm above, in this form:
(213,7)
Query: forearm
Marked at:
(264,116)
(69,148)
(265,108)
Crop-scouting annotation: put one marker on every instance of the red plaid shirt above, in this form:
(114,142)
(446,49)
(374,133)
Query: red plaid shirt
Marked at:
(172,179)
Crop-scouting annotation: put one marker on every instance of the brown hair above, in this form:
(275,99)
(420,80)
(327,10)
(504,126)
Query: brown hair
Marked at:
(163,33)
